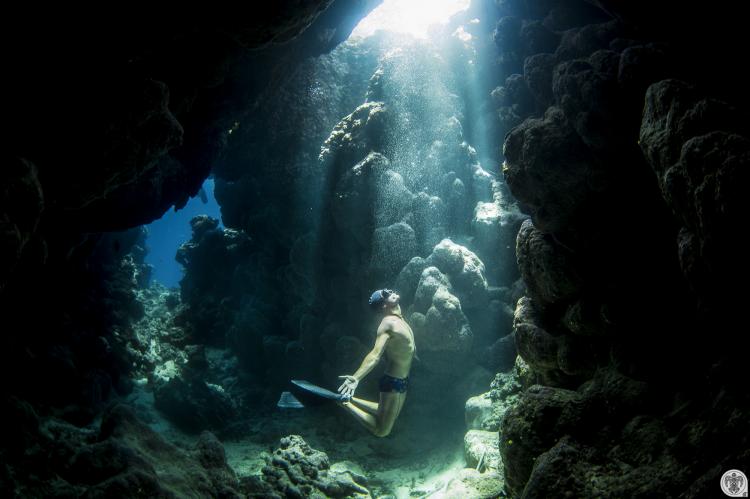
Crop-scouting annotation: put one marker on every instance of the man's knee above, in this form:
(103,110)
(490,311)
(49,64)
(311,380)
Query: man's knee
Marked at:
(382,432)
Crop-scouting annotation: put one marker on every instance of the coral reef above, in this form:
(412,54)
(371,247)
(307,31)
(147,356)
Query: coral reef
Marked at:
(297,470)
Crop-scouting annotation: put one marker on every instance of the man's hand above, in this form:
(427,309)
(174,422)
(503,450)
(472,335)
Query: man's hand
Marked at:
(348,387)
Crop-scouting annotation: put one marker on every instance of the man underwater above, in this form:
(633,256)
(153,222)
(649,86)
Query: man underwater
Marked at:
(395,339)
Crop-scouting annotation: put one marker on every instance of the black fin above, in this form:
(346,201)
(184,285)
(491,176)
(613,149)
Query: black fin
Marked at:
(289,401)
(321,392)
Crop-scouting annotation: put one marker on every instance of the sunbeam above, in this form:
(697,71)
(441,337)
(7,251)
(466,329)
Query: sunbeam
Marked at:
(414,17)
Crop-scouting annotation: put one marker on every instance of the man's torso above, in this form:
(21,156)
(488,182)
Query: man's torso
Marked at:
(400,347)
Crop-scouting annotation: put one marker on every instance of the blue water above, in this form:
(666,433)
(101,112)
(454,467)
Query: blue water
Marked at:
(171,230)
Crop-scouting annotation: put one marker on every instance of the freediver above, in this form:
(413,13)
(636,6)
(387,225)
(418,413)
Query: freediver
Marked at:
(395,341)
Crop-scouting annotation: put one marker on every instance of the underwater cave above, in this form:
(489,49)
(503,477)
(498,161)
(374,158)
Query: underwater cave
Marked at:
(375,248)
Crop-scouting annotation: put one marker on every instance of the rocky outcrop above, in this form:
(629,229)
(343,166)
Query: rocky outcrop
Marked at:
(162,106)
(548,269)
(495,226)
(471,483)
(21,205)
(545,442)
(297,470)
(356,135)
(481,450)
(132,129)
(483,415)
(595,303)
(74,343)
(465,269)
(452,273)
(543,415)
(697,147)
(362,201)
(195,405)
(129,457)
(548,169)
(440,326)
(124,457)
(214,261)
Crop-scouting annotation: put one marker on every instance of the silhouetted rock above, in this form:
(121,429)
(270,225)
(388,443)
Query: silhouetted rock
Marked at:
(547,268)
(195,405)
(696,147)
(547,169)
(21,205)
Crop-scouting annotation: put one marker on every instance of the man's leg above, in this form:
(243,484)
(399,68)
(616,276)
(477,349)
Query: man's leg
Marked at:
(370,407)
(367,420)
(380,424)
(389,408)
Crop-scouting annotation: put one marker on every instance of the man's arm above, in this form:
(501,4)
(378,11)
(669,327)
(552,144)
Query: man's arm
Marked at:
(372,358)
(368,363)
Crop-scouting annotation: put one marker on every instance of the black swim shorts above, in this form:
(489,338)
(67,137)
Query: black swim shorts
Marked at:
(392,384)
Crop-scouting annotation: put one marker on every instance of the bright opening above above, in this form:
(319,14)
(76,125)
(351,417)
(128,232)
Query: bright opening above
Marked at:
(408,16)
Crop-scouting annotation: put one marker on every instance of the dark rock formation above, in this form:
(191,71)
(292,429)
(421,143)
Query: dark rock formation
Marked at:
(599,308)
(548,270)
(124,458)
(168,94)
(114,121)
(215,262)
(21,205)
(231,301)
(548,168)
(698,147)
(194,405)
(67,344)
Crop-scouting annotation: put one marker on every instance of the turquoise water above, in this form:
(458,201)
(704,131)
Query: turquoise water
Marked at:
(171,230)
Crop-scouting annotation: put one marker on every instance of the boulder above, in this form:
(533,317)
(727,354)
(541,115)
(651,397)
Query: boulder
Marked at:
(481,450)
(297,470)
(478,410)
(471,483)
(408,280)
(465,269)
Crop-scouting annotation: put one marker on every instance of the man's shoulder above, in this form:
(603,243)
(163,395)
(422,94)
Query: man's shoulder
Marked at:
(392,324)
(387,323)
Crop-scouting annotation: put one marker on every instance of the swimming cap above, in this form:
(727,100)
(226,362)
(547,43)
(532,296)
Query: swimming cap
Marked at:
(378,297)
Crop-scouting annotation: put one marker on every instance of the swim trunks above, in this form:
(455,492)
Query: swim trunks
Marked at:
(392,384)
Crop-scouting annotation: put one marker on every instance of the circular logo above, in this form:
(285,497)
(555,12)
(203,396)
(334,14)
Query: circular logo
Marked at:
(734,483)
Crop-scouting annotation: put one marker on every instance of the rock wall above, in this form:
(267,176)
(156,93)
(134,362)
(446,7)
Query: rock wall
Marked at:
(122,457)
(113,118)
(622,150)
(114,124)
